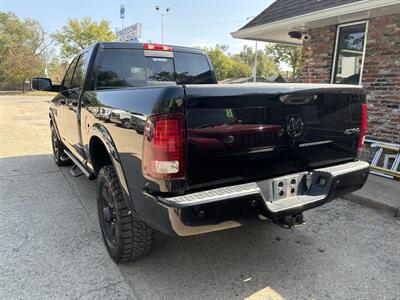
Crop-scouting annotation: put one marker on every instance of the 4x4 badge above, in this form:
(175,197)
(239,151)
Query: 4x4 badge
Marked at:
(352,131)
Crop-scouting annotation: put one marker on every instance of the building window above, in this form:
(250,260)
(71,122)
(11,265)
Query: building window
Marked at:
(349,53)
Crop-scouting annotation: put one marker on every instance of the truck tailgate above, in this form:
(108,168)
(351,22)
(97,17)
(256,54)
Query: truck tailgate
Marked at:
(241,132)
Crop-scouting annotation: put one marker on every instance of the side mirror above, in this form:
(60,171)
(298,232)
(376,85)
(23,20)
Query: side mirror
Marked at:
(44,84)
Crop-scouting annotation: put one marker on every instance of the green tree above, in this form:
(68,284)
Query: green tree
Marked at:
(76,35)
(20,64)
(12,31)
(224,65)
(287,54)
(27,32)
(22,43)
(266,66)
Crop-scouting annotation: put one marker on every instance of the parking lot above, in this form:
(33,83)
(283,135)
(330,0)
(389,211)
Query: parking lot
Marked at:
(51,246)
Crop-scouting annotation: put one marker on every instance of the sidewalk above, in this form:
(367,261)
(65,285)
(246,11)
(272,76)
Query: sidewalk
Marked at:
(379,193)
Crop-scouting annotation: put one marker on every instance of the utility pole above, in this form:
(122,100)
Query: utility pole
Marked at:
(163,14)
(255,65)
(122,14)
(255,56)
(46,71)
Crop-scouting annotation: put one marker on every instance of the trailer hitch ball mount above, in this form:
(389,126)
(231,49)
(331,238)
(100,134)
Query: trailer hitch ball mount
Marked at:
(291,221)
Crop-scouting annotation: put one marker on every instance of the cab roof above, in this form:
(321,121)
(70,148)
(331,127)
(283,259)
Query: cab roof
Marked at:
(126,45)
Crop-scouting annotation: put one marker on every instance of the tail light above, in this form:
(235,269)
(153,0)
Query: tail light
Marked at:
(363,129)
(164,146)
(157,47)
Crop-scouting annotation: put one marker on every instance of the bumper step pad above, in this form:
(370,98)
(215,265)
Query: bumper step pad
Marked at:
(213,195)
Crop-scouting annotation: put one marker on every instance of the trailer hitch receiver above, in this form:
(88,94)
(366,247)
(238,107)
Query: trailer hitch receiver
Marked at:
(292,221)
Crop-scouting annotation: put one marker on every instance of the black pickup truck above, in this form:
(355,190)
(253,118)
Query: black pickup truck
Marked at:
(197,156)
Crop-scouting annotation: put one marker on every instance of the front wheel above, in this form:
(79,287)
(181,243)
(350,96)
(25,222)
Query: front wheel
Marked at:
(125,123)
(58,149)
(126,237)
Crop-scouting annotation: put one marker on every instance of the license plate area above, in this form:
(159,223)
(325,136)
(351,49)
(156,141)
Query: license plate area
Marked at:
(286,187)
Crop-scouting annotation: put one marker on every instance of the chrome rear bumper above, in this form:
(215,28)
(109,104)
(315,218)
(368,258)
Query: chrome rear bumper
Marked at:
(265,189)
(262,198)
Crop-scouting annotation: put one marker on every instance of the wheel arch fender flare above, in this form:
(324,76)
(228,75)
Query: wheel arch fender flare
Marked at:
(101,133)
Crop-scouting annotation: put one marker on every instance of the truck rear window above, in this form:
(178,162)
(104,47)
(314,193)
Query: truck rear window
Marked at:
(192,68)
(130,68)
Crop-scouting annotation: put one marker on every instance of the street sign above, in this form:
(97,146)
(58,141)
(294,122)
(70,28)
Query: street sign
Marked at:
(129,33)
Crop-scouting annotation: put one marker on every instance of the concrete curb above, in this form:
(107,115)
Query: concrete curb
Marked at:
(374,204)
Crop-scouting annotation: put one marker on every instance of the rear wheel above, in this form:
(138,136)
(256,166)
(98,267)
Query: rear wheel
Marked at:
(126,237)
(58,149)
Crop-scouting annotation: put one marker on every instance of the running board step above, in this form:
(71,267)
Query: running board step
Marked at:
(78,169)
(75,171)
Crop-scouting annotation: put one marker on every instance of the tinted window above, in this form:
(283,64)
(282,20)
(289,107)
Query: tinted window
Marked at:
(192,68)
(80,71)
(160,69)
(121,68)
(68,76)
(349,55)
(131,68)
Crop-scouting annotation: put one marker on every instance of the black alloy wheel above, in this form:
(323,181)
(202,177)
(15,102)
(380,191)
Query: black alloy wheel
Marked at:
(126,236)
(108,219)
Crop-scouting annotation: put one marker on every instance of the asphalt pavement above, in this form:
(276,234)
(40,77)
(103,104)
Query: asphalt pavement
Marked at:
(51,246)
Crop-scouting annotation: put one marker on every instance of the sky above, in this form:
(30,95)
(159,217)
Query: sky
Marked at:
(189,23)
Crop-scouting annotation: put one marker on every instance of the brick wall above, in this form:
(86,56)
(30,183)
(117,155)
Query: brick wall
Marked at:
(318,55)
(381,78)
(381,75)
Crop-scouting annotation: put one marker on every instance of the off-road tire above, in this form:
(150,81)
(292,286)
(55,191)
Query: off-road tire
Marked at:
(133,238)
(58,148)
